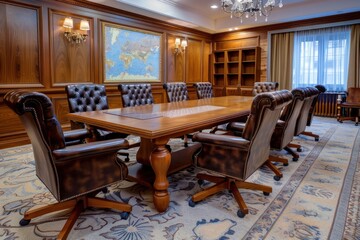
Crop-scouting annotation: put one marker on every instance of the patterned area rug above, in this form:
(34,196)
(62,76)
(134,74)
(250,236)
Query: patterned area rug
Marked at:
(318,198)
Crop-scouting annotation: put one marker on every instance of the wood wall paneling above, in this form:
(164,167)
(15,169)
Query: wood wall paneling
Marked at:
(237,43)
(206,61)
(20,46)
(193,61)
(70,62)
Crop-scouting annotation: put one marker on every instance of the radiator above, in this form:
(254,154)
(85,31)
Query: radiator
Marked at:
(326,104)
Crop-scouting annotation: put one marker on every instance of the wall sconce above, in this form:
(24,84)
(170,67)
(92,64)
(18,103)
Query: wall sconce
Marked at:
(75,37)
(178,44)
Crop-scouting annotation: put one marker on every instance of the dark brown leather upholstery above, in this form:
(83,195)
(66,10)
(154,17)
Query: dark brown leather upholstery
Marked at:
(236,157)
(69,172)
(311,95)
(261,87)
(203,90)
(285,127)
(321,89)
(136,94)
(89,97)
(176,91)
(352,104)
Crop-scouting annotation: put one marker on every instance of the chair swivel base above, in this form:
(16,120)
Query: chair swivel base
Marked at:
(310,134)
(78,205)
(225,183)
(294,154)
(269,164)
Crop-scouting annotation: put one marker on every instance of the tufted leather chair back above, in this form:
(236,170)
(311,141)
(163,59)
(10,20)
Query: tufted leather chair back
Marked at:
(285,127)
(203,90)
(86,98)
(136,94)
(71,171)
(261,87)
(239,157)
(176,91)
(311,94)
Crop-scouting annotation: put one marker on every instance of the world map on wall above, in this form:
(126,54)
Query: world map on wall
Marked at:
(131,55)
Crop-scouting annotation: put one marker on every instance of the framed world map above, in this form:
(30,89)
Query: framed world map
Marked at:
(131,55)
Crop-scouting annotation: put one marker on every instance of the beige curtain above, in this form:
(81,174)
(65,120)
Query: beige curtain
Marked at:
(354,63)
(282,47)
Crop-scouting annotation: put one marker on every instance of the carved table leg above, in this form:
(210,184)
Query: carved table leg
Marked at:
(160,159)
(144,152)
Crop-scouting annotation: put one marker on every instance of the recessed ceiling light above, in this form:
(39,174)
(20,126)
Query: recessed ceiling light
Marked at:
(214,6)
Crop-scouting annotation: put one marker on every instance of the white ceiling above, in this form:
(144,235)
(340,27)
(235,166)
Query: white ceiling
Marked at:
(198,14)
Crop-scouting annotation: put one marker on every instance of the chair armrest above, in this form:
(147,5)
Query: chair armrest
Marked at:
(220,139)
(236,126)
(90,149)
(77,134)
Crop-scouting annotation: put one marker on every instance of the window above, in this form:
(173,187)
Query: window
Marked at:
(321,56)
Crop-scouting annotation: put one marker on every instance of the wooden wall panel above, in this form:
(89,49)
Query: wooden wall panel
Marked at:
(237,43)
(20,51)
(193,61)
(70,62)
(206,62)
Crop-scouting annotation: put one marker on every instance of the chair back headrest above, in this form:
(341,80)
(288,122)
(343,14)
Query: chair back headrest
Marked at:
(203,90)
(261,87)
(176,91)
(86,97)
(136,94)
(259,127)
(37,114)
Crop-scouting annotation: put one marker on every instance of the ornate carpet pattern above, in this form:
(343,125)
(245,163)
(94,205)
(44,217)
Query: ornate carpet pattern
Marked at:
(318,198)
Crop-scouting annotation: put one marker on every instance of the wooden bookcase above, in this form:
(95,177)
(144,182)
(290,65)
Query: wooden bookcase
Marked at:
(235,70)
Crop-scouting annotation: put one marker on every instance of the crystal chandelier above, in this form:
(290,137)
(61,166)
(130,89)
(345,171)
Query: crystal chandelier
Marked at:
(249,8)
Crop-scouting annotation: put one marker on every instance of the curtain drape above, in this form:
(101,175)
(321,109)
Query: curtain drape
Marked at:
(354,63)
(321,56)
(282,45)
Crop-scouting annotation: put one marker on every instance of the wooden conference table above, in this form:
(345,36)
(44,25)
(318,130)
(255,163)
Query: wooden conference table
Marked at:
(157,123)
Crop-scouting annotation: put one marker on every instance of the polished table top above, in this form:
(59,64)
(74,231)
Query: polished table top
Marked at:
(168,119)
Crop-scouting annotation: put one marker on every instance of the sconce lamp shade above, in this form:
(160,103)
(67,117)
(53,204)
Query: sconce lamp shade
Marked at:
(84,25)
(184,44)
(177,42)
(68,22)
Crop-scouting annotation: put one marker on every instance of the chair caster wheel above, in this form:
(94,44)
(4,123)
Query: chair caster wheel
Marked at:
(124,215)
(192,203)
(356,124)
(200,182)
(240,214)
(267,193)
(316,139)
(127,159)
(276,178)
(295,159)
(299,149)
(186,144)
(24,222)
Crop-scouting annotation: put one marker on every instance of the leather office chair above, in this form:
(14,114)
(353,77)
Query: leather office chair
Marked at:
(321,89)
(203,90)
(312,94)
(136,94)
(235,157)
(285,127)
(352,103)
(91,97)
(261,87)
(73,174)
(177,92)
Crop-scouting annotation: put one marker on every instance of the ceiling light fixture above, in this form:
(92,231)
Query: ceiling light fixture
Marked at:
(249,8)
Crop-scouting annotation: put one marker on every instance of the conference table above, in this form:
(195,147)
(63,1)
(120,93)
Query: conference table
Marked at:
(155,124)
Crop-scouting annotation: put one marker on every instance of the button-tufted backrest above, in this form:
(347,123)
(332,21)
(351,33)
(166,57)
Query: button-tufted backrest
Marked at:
(176,91)
(260,87)
(136,94)
(86,97)
(203,90)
